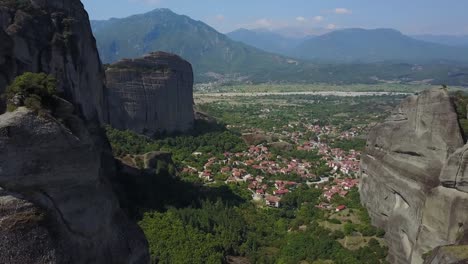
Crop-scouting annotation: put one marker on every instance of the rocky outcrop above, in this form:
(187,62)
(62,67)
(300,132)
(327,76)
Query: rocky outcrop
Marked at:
(56,202)
(53,36)
(151,94)
(455,173)
(147,162)
(448,255)
(413,177)
(56,205)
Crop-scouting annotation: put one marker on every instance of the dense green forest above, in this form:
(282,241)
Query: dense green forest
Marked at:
(210,232)
(209,139)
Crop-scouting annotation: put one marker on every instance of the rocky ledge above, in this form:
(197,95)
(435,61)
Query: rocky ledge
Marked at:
(448,255)
(56,205)
(413,177)
(151,94)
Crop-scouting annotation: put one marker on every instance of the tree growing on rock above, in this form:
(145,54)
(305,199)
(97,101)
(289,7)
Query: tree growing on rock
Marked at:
(33,90)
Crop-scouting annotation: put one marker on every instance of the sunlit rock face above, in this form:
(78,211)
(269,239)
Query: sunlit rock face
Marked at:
(56,204)
(413,177)
(151,94)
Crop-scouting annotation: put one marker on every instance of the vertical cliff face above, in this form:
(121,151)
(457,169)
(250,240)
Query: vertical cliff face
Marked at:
(55,37)
(151,94)
(56,202)
(413,177)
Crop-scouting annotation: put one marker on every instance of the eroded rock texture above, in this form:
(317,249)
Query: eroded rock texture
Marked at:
(53,36)
(56,202)
(56,205)
(413,177)
(151,94)
(448,255)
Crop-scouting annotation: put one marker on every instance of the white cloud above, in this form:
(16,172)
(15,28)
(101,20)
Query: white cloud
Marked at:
(147,2)
(342,11)
(331,26)
(301,19)
(220,17)
(263,22)
(319,18)
(266,23)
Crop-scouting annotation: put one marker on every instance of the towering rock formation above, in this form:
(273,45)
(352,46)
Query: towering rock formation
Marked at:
(56,205)
(151,94)
(414,179)
(56,202)
(53,36)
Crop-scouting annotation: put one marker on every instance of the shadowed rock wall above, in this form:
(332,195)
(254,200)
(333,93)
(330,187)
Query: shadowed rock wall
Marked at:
(53,36)
(151,94)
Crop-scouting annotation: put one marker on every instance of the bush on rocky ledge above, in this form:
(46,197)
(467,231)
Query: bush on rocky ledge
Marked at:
(32,90)
(460,102)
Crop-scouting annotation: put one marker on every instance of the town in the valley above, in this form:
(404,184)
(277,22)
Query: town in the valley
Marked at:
(269,175)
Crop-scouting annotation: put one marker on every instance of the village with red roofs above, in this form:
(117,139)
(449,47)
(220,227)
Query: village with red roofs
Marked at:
(269,175)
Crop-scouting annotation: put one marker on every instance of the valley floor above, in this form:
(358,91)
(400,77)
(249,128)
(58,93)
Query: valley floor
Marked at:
(275,182)
(211,88)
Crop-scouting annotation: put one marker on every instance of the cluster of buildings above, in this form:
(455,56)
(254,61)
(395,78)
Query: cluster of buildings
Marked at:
(258,160)
(339,161)
(341,188)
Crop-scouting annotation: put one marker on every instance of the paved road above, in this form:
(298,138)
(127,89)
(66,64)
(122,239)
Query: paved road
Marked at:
(324,93)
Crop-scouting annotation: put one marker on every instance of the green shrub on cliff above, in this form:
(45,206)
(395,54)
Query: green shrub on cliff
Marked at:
(460,101)
(33,90)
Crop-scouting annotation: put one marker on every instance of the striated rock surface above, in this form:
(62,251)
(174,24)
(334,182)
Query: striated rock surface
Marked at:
(56,205)
(455,173)
(147,162)
(413,177)
(448,255)
(151,94)
(53,36)
(56,202)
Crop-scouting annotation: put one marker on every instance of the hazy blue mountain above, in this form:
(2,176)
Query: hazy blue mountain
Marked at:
(214,56)
(266,40)
(361,45)
(450,40)
(210,52)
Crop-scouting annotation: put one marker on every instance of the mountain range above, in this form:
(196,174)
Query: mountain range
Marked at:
(450,40)
(342,56)
(267,40)
(359,45)
(210,52)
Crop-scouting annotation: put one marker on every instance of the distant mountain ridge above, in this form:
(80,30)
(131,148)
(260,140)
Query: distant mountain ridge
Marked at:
(449,40)
(361,45)
(216,57)
(266,40)
(210,52)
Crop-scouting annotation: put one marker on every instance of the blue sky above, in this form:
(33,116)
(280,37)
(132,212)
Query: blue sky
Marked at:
(304,16)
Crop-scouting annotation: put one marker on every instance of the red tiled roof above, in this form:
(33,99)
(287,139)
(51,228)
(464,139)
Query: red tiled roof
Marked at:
(341,207)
